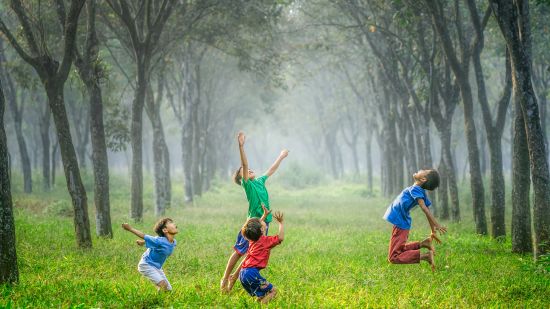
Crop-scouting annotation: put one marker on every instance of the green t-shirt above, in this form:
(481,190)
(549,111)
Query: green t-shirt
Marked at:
(256,194)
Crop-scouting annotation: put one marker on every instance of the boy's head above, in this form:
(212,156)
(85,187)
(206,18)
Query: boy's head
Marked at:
(427,178)
(253,229)
(238,175)
(165,226)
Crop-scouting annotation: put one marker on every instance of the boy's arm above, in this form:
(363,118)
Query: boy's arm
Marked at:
(275,165)
(138,233)
(244,161)
(434,225)
(266,212)
(279,217)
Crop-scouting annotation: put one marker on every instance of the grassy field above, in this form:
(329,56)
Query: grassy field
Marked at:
(334,255)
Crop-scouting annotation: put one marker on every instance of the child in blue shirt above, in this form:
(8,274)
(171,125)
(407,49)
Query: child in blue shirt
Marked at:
(158,250)
(398,213)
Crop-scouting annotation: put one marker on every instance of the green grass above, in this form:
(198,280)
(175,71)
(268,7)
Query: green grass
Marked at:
(334,255)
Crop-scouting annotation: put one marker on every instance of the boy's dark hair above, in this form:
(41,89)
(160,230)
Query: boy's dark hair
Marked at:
(432,180)
(237,176)
(160,225)
(252,229)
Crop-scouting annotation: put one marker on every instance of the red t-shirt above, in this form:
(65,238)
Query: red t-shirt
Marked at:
(258,251)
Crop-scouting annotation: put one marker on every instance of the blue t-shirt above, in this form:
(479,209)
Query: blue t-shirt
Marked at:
(158,249)
(398,213)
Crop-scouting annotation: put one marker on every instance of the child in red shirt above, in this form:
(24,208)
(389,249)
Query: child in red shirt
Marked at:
(257,257)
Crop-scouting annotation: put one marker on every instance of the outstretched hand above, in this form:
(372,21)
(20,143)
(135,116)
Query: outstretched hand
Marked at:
(284,153)
(126,226)
(241,138)
(441,229)
(278,216)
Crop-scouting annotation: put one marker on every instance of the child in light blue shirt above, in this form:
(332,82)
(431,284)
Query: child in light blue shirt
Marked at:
(158,250)
(398,213)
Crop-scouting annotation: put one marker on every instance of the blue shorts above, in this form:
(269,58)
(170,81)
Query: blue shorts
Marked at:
(254,283)
(241,244)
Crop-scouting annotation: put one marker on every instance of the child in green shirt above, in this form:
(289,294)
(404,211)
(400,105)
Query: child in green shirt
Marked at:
(257,195)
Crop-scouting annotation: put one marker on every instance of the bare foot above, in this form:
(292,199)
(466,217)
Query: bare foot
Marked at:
(427,243)
(232,279)
(429,257)
(269,296)
(223,285)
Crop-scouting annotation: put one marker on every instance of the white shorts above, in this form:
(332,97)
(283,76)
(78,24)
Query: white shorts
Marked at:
(154,274)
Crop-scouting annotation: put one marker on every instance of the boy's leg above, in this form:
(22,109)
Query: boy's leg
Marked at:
(232,279)
(401,252)
(233,259)
(164,284)
(240,247)
(429,257)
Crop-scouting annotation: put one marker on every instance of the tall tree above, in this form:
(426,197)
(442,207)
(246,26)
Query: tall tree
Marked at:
(91,72)
(53,75)
(144,22)
(460,68)
(493,128)
(514,21)
(9,272)
(17,111)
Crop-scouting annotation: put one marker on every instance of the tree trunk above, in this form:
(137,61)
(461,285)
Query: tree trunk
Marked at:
(442,191)
(9,272)
(100,163)
(70,165)
(54,162)
(522,241)
(17,120)
(460,70)
(17,111)
(160,156)
(368,146)
(136,211)
(515,26)
(89,69)
(45,137)
(187,125)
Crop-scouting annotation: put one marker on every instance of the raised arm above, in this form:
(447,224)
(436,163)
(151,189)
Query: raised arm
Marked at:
(266,212)
(280,218)
(244,161)
(138,233)
(434,225)
(275,165)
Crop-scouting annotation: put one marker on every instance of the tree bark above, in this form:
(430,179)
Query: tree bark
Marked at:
(514,22)
(9,273)
(522,241)
(89,69)
(70,165)
(53,76)
(45,121)
(17,111)
(460,70)
(160,153)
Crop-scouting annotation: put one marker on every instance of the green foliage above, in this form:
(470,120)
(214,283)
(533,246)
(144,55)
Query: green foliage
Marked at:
(334,255)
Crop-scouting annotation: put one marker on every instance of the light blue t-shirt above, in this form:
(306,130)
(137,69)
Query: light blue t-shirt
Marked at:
(398,213)
(158,249)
